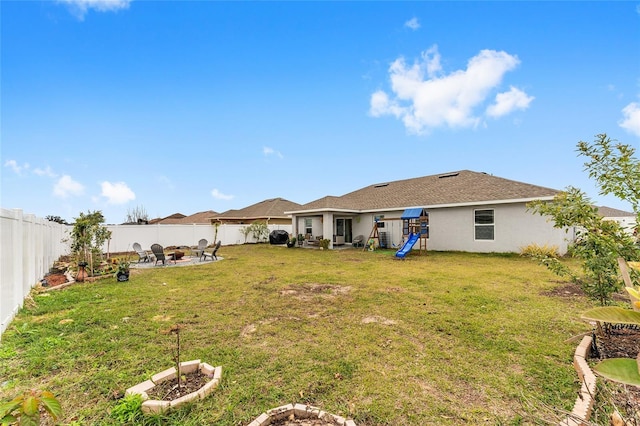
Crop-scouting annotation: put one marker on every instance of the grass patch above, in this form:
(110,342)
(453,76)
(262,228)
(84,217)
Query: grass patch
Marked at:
(447,338)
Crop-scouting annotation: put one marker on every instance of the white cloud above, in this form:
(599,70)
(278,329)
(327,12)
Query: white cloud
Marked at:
(17,168)
(220,196)
(631,120)
(117,193)
(270,151)
(45,172)
(412,23)
(508,102)
(79,8)
(66,187)
(424,98)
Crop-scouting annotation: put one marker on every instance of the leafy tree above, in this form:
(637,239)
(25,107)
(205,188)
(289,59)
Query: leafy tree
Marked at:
(56,219)
(598,242)
(614,168)
(87,238)
(245,231)
(259,230)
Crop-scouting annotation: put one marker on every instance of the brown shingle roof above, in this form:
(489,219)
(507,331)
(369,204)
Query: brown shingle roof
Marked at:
(200,217)
(174,218)
(271,208)
(461,187)
(611,212)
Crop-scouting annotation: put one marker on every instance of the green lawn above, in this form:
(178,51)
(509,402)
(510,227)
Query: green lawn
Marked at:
(446,338)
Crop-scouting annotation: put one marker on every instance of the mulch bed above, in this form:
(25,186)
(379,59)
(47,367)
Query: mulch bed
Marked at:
(55,279)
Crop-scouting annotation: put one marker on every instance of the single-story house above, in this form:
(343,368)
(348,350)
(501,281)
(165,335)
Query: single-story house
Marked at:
(463,211)
(271,211)
(627,220)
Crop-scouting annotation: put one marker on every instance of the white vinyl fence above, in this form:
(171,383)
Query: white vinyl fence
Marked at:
(29,246)
(123,236)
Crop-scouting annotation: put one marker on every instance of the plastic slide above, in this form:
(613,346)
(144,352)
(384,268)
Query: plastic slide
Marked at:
(408,245)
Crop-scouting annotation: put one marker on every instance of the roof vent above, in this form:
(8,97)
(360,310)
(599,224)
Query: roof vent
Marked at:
(448,175)
(381,185)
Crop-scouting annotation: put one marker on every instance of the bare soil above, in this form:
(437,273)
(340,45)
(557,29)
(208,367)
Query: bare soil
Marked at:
(55,279)
(292,421)
(169,390)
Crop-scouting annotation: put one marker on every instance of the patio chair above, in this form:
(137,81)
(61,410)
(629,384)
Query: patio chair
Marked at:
(212,255)
(158,252)
(197,252)
(358,241)
(142,254)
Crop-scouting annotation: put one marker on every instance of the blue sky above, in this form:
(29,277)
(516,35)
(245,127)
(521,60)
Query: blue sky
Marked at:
(208,105)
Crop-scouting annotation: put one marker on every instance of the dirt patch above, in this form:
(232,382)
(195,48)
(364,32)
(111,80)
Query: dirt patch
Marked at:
(566,290)
(292,421)
(308,291)
(379,320)
(169,390)
(248,330)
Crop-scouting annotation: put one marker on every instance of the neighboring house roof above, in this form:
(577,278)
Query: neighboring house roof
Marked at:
(200,217)
(611,212)
(271,208)
(174,218)
(454,188)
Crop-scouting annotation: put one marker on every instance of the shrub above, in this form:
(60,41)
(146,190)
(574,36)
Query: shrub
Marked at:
(536,251)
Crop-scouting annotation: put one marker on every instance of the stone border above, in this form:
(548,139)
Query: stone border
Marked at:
(300,411)
(584,403)
(152,406)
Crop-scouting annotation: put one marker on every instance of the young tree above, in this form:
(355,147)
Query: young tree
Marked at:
(88,236)
(598,242)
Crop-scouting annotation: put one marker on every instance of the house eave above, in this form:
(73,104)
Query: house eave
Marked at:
(249,217)
(429,206)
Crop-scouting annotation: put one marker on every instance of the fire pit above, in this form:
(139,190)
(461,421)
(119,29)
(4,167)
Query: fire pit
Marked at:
(175,255)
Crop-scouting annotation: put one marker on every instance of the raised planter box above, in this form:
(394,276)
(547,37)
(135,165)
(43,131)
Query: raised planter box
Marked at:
(152,406)
(584,403)
(298,411)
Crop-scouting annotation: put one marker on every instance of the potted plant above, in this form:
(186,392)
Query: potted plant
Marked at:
(122,270)
(292,242)
(300,239)
(81,275)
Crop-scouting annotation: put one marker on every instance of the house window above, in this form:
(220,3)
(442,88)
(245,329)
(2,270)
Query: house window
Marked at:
(308,229)
(484,224)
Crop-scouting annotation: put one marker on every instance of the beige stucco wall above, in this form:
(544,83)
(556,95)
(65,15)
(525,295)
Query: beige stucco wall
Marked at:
(452,229)
(515,228)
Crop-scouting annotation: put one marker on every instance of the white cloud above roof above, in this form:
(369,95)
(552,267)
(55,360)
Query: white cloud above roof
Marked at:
(219,195)
(508,102)
(631,120)
(66,187)
(424,97)
(80,8)
(117,193)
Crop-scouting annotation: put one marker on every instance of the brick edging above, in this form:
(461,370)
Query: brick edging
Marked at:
(151,406)
(584,403)
(300,411)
